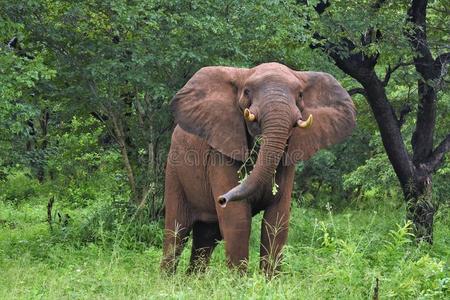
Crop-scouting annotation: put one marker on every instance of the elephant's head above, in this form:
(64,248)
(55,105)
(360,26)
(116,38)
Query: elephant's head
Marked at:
(223,104)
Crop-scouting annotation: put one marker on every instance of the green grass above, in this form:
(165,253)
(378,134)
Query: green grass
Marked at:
(329,256)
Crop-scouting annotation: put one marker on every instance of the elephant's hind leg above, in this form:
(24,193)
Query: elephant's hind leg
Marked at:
(205,238)
(178,224)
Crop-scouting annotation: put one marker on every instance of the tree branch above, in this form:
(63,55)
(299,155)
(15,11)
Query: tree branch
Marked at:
(437,157)
(417,14)
(361,67)
(355,91)
(121,139)
(390,70)
(406,109)
(14,45)
(422,139)
(442,60)
(440,64)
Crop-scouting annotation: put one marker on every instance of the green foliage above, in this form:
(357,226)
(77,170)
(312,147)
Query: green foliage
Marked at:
(246,168)
(364,176)
(84,172)
(321,179)
(118,224)
(19,186)
(123,60)
(329,255)
(20,73)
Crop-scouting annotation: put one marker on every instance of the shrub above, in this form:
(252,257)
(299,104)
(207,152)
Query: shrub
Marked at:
(121,224)
(18,186)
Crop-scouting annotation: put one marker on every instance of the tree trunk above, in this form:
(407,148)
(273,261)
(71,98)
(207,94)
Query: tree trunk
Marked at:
(121,140)
(415,180)
(420,207)
(43,124)
(421,213)
(37,144)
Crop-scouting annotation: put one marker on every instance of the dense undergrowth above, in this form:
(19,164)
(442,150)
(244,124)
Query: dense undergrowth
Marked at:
(329,255)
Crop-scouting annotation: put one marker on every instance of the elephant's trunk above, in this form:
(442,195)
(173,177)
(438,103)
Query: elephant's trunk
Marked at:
(275,126)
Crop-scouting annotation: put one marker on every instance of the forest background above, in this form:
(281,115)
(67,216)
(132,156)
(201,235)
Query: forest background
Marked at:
(85,129)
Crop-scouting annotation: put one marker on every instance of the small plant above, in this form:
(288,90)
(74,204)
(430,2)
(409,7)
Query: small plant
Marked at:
(274,258)
(400,237)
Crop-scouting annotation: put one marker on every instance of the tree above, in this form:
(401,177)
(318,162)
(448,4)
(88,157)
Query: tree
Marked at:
(20,116)
(361,38)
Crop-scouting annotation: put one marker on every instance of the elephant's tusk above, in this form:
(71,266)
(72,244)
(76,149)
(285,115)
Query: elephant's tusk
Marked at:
(305,124)
(248,115)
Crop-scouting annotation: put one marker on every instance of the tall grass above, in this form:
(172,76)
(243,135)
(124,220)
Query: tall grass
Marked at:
(329,255)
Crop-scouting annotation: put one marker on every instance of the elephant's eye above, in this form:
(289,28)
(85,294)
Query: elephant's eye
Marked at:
(247,93)
(300,95)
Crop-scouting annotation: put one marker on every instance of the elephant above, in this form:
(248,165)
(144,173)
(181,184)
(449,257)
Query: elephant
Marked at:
(219,113)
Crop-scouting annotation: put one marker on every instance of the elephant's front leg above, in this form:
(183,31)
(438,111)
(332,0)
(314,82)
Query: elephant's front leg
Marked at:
(235,218)
(235,224)
(274,227)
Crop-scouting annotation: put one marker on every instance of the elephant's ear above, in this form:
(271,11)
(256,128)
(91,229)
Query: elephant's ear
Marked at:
(207,106)
(333,114)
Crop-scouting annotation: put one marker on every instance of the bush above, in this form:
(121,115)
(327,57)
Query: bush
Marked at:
(18,187)
(121,224)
